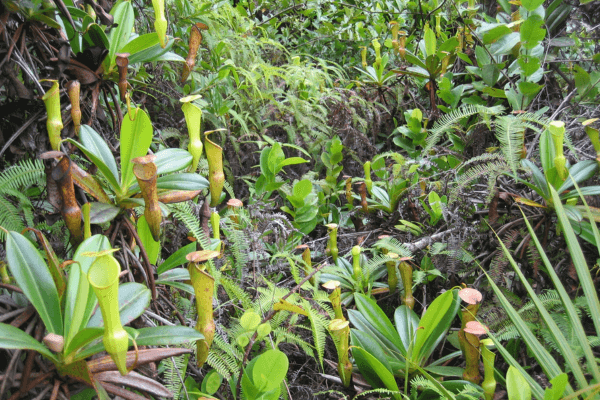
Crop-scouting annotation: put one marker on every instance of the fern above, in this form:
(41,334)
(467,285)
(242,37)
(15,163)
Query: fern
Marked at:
(451,121)
(510,132)
(490,170)
(23,174)
(318,324)
(174,372)
(224,357)
(394,246)
(13,181)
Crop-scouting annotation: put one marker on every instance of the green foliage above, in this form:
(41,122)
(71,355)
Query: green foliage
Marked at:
(385,351)
(541,354)
(76,319)
(16,182)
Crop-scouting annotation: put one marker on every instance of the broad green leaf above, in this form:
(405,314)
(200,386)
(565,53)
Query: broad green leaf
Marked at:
(178,258)
(407,322)
(135,140)
(529,88)
(559,383)
(374,316)
(579,172)
(211,382)
(170,56)
(250,320)
(445,371)
(264,164)
(81,339)
(531,33)
(75,309)
(585,191)
(96,149)
(249,390)
(496,33)
(394,363)
(505,44)
(119,34)
(167,336)
(413,59)
(516,385)
(155,336)
(172,160)
(430,41)
(177,285)
(96,34)
(14,338)
(33,277)
(531,5)
(183,181)
(276,156)
(290,161)
(302,189)
(133,300)
(582,80)
(152,247)
(529,65)
(141,44)
(175,274)
(434,324)
(270,370)
(374,372)
(101,213)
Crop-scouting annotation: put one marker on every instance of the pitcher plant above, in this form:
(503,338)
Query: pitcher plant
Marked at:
(204,286)
(144,170)
(216,178)
(104,279)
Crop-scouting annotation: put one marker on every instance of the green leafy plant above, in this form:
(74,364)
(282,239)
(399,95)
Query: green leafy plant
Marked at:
(304,201)
(548,363)
(383,352)
(263,375)
(19,182)
(558,175)
(67,307)
(272,161)
(135,140)
(359,276)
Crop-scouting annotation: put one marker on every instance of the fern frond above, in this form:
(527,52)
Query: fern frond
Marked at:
(451,121)
(490,170)
(510,132)
(318,324)
(174,373)
(283,335)
(23,174)
(394,246)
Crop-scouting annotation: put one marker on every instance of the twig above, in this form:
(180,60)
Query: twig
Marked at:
(158,318)
(426,241)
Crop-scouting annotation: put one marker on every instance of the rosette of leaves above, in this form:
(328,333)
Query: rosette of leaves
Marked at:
(116,188)
(67,308)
